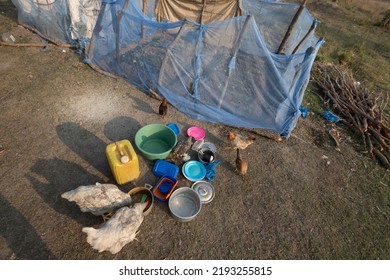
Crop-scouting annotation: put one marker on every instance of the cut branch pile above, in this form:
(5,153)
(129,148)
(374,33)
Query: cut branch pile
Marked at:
(386,20)
(358,107)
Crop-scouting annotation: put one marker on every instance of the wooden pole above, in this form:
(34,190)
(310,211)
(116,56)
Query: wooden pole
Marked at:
(165,60)
(144,7)
(118,27)
(291,27)
(312,27)
(203,8)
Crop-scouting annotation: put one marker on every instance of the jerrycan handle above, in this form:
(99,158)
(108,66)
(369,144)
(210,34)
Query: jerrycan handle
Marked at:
(119,149)
(124,158)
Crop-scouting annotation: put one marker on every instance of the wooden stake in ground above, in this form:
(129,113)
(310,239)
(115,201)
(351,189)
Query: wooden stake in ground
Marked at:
(291,27)
(311,29)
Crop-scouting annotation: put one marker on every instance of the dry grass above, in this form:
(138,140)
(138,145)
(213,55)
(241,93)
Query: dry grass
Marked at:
(353,37)
(372,7)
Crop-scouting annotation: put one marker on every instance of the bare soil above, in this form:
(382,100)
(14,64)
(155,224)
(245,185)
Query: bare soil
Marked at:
(301,198)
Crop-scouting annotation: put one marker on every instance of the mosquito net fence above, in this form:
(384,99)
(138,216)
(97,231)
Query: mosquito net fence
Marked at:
(60,21)
(222,61)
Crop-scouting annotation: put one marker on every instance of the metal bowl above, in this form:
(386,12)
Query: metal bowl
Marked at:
(184,204)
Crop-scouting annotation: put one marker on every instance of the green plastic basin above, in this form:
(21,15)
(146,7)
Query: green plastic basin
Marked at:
(155,141)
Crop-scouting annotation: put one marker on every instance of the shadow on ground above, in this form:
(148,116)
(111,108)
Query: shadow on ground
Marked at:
(86,144)
(20,234)
(120,128)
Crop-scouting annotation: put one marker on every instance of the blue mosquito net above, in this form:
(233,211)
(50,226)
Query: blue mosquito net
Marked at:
(215,60)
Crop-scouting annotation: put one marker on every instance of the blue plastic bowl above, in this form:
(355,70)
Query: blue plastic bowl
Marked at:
(165,187)
(174,127)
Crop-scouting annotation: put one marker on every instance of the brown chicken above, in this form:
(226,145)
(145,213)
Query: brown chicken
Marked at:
(163,109)
(240,141)
(241,164)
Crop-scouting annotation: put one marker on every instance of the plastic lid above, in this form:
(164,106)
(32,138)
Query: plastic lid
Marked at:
(164,168)
(197,132)
(125,159)
(205,191)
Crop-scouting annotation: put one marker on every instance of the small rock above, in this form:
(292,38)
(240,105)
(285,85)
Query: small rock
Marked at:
(6,37)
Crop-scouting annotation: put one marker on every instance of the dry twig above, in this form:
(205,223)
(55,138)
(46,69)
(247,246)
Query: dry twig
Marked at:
(363,110)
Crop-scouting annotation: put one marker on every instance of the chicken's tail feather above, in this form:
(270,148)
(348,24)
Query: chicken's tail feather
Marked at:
(91,232)
(68,195)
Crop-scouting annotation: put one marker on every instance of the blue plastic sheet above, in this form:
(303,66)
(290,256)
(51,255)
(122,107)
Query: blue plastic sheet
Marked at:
(330,117)
(210,170)
(304,111)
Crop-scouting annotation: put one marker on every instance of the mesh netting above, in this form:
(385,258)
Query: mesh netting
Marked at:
(215,60)
(60,21)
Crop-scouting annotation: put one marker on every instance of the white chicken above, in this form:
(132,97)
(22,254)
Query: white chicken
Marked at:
(119,230)
(98,199)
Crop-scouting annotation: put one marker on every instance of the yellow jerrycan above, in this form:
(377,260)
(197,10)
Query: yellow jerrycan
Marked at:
(123,161)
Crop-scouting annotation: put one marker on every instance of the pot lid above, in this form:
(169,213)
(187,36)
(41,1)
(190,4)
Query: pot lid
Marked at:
(205,191)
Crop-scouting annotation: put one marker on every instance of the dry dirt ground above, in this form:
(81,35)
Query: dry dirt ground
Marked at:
(301,199)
